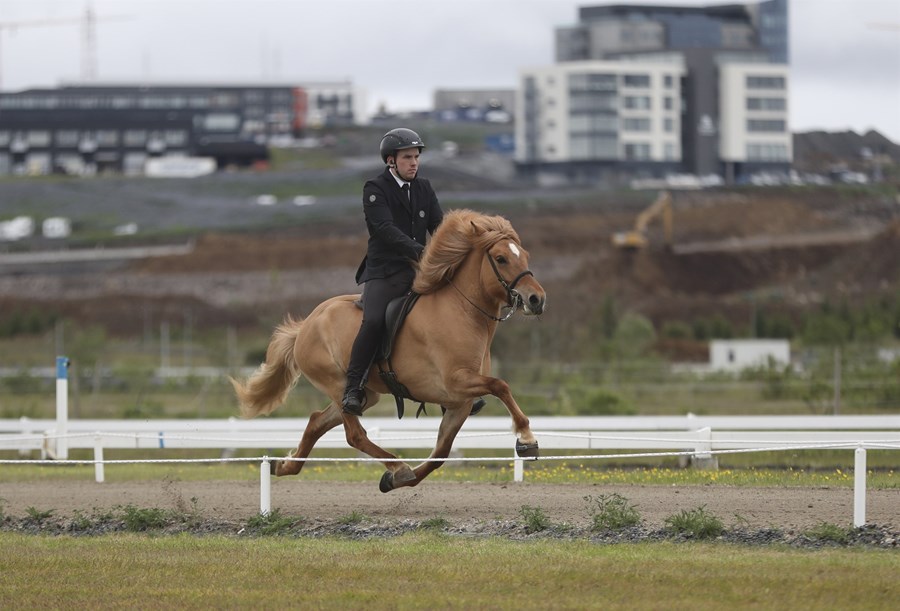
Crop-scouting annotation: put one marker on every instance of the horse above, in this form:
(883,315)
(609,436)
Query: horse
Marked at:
(472,275)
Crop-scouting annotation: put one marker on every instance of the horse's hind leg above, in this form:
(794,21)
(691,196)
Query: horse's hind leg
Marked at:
(319,423)
(450,424)
(397,470)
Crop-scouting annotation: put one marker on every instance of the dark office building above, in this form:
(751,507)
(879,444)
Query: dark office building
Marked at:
(88,129)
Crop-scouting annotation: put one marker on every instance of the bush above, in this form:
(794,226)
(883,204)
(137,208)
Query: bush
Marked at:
(696,523)
(535,519)
(611,512)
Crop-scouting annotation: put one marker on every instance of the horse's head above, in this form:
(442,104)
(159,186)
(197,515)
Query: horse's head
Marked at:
(505,273)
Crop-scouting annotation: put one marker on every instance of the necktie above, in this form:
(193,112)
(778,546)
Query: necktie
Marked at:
(405,188)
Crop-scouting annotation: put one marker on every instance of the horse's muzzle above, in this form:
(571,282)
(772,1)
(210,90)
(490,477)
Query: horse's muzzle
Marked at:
(533,305)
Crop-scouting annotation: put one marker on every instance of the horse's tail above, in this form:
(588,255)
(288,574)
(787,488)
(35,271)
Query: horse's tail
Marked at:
(268,387)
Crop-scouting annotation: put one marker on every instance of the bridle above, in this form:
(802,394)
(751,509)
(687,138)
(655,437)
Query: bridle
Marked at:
(513,298)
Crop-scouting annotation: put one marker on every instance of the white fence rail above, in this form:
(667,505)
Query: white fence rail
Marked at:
(701,437)
(701,434)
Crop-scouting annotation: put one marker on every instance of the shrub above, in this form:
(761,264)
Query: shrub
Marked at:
(828,532)
(139,520)
(697,523)
(535,519)
(271,523)
(611,512)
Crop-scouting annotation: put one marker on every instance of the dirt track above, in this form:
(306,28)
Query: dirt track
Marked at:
(458,503)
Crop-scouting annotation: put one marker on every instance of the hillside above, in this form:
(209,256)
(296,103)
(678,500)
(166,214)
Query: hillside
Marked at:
(788,249)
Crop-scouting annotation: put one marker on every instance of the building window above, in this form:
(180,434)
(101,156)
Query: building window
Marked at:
(593,123)
(766,125)
(592,82)
(38,138)
(765,82)
(4,138)
(107,137)
(767,152)
(669,125)
(175,137)
(667,81)
(221,122)
(636,80)
(766,104)
(135,137)
(637,151)
(635,124)
(670,150)
(668,103)
(636,102)
(67,137)
(593,147)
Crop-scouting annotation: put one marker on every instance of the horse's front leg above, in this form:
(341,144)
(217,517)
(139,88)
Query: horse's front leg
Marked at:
(453,419)
(319,423)
(475,384)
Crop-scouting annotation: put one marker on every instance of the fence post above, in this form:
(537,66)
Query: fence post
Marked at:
(62,407)
(265,487)
(518,468)
(99,473)
(859,488)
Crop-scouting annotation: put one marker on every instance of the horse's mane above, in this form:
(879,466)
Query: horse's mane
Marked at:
(460,232)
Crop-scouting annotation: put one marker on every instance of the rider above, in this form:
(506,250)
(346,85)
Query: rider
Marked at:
(399,208)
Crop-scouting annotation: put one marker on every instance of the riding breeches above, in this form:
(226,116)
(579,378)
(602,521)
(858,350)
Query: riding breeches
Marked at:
(378,293)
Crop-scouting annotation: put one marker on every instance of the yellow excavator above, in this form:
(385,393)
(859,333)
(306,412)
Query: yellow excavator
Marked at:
(636,238)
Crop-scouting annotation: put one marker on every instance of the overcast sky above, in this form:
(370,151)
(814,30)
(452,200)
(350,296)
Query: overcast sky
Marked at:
(845,54)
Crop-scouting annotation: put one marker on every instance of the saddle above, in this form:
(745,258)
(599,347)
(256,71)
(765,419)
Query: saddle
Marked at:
(397,311)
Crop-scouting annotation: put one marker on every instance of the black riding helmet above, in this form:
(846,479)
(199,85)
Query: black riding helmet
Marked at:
(397,140)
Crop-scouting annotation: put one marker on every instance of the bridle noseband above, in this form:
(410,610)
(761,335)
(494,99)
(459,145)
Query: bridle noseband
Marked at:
(513,298)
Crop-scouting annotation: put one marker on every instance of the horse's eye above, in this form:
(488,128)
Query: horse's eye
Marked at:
(501,260)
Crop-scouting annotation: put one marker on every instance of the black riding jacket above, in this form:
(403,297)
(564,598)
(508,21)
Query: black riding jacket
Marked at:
(397,224)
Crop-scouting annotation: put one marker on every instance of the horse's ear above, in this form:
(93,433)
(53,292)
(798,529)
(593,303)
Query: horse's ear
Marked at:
(476,228)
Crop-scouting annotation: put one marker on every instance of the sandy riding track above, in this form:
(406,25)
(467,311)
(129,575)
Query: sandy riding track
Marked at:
(458,503)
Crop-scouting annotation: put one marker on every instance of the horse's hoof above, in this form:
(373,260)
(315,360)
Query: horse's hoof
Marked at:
(527,450)
(403,475)
(387,482)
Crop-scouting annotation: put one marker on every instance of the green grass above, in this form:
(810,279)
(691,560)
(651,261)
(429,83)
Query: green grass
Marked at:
(189,572)
(550,472)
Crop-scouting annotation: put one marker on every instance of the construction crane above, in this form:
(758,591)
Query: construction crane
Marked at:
(637,238)
(88,23)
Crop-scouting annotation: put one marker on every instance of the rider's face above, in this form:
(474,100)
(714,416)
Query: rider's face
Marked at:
(407,163)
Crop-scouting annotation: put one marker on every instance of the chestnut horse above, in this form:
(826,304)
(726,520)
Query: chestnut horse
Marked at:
(473,274)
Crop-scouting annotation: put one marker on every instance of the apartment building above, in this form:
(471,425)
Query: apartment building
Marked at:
(698,90)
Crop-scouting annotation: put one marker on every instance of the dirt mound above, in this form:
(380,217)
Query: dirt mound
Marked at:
(871,267)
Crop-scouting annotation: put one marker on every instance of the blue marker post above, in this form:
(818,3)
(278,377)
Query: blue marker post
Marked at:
(62,407)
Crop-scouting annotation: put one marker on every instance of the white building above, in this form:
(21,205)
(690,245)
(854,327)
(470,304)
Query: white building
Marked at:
(753,114)
(738,354)
(593,112)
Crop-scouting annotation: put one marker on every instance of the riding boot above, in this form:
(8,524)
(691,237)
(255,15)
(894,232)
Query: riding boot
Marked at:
(354,398)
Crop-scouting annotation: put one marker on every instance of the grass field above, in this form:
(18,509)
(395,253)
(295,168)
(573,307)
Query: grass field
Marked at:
(433,571)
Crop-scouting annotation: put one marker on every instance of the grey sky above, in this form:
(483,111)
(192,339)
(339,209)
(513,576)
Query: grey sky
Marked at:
(845,54)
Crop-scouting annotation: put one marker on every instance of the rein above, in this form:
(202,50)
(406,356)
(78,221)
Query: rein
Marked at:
(513,299)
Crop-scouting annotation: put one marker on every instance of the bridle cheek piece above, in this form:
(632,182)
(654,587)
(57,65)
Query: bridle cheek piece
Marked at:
(513,298)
